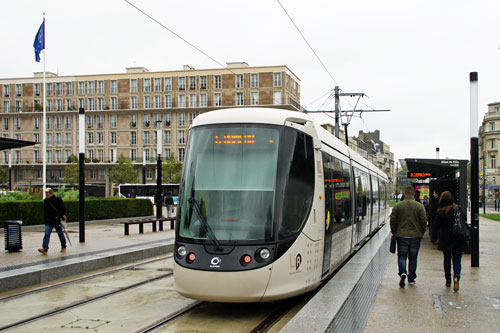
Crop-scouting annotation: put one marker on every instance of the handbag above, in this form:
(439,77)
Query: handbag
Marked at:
(460,228)
(392,246)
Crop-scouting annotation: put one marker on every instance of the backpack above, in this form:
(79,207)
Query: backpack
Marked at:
(459,227)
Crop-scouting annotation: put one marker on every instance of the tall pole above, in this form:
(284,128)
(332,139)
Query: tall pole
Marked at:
(159,203)
(397,180)
(44,124)
(337,111)
(10,171)
(143,168)
(81,160)
(474,171)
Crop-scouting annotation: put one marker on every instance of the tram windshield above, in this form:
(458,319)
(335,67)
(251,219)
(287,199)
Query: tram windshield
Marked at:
(229,181)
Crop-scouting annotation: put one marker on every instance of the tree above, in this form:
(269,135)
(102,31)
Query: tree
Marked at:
(72,171)
(124,171)
(171,171)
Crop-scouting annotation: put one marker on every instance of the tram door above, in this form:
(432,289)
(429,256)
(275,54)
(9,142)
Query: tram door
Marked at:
(329,212)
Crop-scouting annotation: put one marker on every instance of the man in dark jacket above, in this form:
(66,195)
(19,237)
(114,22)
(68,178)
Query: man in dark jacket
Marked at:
(53,210)
(408,223)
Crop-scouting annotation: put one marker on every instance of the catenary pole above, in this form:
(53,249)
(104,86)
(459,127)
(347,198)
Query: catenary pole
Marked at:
(81,161)
(474,171)
(44,123)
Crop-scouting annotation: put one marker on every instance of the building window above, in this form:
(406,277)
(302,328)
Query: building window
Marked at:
(203,100)
(69,104)
(59,90)
(493,159)
(133,121)
(168,84)
(493,143)
(133,138)
(149,173)
(181,119)
(181,154)
(239,98)
(167,119)
(49,139)
(492,126)
(36,122)
(147,85)
(58,122)
(100,155)
(254,98)
(277,79)
(90,138)
(90,121)
(81,88)
(203,82)
(147,120)
(133,154)
(100,103)
(5,123)
(100,138)
(133,85)
(217,82)
(192,100)
(112,155)
(50,89)
(102,172)
(157,84)
(100,87)
(277,97)
(67,140)
(182,83)
(239,80)
(168,101)
(36,138)
(112,121)
(36,156)
(37,89)
(113,88)
(217,99)
(191,116)
(17,123)
(6,106)
(112,138)
(50,105)
(180,138)
(157,101)
(18,90)
(182,101)
(48,121)
(58,139)
(114,103)
(192,82)
(147,156)
(147,102)
(18,106)
(167,138)
(81,103)
(133,102)
(254,80)
(90,87)
(147,138)
(69,88)
(6,90)
(58,156)
(90,104)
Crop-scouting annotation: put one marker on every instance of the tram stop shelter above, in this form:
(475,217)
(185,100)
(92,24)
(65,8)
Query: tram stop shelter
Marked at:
(443,175)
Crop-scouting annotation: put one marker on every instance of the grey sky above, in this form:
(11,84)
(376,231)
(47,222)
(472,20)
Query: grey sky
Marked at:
(411,57)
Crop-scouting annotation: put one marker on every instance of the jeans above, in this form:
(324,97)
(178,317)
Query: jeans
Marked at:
(46,237)
(456,257)
(408,248)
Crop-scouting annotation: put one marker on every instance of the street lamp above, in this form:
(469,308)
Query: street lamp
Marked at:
(81,161)
(158,170)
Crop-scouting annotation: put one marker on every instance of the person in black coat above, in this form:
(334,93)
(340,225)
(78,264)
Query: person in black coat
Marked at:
(54,211)
(451,246)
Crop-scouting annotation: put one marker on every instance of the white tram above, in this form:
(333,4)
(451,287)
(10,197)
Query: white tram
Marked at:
(270,204)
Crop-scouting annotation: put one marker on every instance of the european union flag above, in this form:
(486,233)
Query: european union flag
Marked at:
(39,43)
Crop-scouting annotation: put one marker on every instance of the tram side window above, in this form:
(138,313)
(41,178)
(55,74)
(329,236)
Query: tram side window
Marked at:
(337,194)
(362,192)
(298,166)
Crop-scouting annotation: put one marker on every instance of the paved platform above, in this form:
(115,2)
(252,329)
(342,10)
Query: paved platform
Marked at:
(105,245)
(365,295)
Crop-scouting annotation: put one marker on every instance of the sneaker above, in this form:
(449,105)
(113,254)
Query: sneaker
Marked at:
(412,282)
(63,250)
(42,251)
(402,280)
(456,285)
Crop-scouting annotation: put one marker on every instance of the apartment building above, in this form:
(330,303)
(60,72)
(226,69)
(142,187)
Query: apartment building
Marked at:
(489,138)
(123,113)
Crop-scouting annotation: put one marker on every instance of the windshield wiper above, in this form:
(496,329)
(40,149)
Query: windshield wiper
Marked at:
(195,206)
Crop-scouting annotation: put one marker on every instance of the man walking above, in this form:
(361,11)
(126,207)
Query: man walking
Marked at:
(54,210)
(408,222)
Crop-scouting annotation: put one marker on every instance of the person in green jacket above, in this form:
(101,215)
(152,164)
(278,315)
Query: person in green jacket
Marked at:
(408,223)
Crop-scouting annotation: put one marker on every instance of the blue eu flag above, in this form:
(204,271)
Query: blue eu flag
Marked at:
(39,43)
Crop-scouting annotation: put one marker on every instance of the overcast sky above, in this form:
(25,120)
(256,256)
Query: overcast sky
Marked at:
(413,58)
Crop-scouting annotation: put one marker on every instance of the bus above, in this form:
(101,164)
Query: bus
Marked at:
(147,191)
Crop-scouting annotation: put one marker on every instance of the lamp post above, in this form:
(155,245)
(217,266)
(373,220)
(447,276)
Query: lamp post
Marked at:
(159,203)
(81,160)
(10,171)
(143,168)
(474,173)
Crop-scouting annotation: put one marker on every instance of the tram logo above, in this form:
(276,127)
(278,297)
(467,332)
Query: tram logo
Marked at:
(215,262)
(298,261)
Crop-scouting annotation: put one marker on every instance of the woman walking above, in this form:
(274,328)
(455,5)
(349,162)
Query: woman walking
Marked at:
(451,246)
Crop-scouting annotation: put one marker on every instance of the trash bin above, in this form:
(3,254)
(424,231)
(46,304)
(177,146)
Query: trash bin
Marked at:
(13,237)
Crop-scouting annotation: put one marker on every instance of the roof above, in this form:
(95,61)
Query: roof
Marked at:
(6,143)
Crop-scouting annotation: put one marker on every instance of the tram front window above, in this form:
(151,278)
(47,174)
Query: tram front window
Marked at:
(229,184)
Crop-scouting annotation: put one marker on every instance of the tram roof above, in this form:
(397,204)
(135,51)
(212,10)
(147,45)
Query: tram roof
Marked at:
(248,115)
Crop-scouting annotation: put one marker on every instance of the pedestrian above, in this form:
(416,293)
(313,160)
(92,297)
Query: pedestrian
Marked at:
(169,202)
(451,246)
(53,210)
(408,223)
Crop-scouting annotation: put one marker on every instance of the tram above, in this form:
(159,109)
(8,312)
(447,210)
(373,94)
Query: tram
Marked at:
(270,205)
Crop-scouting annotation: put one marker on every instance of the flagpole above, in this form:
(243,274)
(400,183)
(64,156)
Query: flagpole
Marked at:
(44,124)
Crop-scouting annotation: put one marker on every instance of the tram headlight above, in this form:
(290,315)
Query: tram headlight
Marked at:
(264,253)
(181,251)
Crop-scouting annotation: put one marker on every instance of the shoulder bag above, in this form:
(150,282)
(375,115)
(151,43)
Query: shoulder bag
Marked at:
(460,228)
